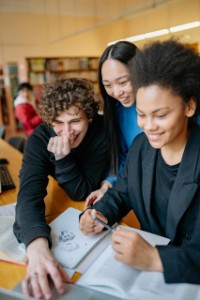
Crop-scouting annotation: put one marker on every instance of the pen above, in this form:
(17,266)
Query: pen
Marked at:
(102,223)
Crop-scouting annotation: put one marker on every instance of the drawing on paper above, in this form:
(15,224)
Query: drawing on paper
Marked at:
(67,241)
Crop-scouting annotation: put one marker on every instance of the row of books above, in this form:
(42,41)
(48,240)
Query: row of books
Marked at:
(41,78)
(12,68)
(63,64)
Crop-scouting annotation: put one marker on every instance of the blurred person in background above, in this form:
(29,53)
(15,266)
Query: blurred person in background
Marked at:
(25,108)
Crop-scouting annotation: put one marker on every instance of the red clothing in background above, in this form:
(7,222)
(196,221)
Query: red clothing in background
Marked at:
(27,115)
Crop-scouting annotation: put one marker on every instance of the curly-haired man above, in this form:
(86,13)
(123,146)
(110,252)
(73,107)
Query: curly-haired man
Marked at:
(70,145)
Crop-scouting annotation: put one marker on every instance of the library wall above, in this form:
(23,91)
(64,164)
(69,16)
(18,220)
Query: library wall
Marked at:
(29,35)
(164,17)
(57,38)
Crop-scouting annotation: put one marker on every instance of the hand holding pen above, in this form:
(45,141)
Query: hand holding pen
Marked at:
(102,223)
(89,223)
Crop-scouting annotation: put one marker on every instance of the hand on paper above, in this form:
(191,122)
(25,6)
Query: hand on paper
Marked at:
(88,225)
(60,146)
(133,250)
(96,195)
(41,267)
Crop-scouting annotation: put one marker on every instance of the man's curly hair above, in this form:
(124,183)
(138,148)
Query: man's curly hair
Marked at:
(63,93)
(168,64)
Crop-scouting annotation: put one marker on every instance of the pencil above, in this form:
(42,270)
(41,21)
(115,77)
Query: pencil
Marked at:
(102,223)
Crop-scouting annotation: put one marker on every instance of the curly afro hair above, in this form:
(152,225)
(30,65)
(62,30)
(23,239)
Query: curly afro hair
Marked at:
(168,64)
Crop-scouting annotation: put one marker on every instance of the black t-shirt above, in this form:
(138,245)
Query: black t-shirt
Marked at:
(78,173)
(164,178)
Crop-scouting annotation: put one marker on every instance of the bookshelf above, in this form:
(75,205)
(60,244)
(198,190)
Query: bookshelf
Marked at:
(9,92)
(39,70)
(3,107)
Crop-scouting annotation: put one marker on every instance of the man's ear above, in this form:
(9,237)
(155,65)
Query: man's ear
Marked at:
(191,107)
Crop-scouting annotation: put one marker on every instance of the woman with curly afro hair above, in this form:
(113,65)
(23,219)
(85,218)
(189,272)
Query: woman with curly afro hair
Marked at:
(161,178)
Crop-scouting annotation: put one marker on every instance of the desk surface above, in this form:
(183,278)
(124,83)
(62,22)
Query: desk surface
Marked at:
(56,202)
(14,157)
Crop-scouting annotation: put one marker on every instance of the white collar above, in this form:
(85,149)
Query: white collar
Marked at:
(22,100)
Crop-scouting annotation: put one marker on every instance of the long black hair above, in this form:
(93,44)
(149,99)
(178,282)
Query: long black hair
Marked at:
(122,51)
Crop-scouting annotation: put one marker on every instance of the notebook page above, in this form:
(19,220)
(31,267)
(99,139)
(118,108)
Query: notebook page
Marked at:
(10,249)
(115,278)
(70,245)
(8,209)
(151,238)
(109,275)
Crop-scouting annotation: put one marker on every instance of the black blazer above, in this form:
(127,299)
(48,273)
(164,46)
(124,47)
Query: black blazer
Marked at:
(133,190)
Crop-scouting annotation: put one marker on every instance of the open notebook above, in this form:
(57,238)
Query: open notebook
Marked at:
(10,249)
(110,276)
(114,278)
(70,245)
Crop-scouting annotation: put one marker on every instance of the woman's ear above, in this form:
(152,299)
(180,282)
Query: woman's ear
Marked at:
(90,121)
(191,107)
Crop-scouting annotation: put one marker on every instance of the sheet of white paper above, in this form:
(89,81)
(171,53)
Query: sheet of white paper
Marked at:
(8,209)
(151,238)
(152,286)
(8,242)
(84,265)
(112,277)
(69,245)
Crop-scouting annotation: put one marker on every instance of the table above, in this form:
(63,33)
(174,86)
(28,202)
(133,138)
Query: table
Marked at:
(11,274)
(53,209)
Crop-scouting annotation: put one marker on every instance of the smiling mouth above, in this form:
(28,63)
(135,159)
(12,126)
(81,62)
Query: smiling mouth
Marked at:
(155,136)
(124,100)
(74,138)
